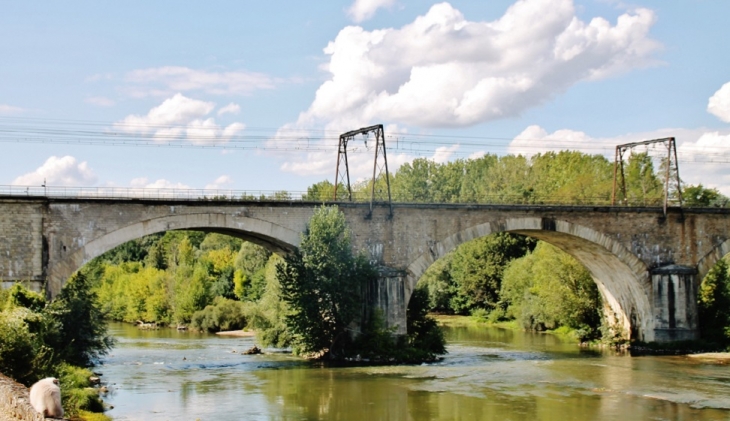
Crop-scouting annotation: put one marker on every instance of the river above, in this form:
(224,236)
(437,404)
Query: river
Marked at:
(489,373)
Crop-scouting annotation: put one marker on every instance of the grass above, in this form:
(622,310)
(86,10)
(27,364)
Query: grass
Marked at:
(452,320)
(92,416)
(78,396)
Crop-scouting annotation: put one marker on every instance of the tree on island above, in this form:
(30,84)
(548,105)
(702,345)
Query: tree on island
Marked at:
(322,283)
(323,286)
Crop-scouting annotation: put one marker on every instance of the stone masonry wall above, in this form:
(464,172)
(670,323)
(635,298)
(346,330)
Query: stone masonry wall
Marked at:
(21,241)
(15,402)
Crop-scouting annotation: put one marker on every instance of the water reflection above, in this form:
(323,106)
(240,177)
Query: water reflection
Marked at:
(488,374)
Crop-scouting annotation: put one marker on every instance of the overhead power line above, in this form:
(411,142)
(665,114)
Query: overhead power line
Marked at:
(278,140)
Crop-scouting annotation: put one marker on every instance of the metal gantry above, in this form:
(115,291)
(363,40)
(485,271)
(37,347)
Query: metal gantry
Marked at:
(672,165)
(380,165)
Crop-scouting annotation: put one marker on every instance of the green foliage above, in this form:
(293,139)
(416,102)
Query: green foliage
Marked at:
(18,346)
(438,284)
(424,341)
(267,315)
(548,289)
(214,241)
(18,296)
(322,283)
(83,338)
(224,314)
(642,184)
(77,394)
(182,273)
(376,341)
(324,192)
(41,342)
(714,305)
(250,273)
(425,338)
(476,270)
(699,196)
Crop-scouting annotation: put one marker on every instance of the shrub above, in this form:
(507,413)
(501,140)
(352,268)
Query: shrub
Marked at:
(76,392)
(17,347)
(223,314)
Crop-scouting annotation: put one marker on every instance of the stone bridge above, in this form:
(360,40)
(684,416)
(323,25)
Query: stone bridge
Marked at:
(648,266)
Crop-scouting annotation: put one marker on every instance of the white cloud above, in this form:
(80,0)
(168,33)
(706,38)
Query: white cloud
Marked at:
(444,70)
(144,183)
(698,156)
(696,150)
(163,81)
(477,155)
(534,139)
(178,118)
(230,109)
(719,103)
(9,109)
(220,183)
(444,153)
(100,101)
(59,171)
(363,10)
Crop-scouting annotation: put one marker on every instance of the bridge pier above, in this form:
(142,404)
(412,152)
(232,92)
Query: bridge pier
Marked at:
(387,294)
(675,303)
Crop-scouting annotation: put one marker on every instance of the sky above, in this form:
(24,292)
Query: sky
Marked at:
(242,95)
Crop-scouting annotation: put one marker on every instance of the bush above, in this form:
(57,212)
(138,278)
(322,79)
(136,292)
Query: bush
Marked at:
(376,342)
(424,341)
(425,338)
(82,338)
(77,393)
(223,314)
(714,305)
(18,296)
(17,347)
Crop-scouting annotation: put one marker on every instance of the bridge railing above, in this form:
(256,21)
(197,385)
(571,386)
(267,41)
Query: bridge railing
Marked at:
(148,193)
(129,193)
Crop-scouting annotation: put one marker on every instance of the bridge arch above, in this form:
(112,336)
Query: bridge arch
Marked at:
(621,277)
(273,237)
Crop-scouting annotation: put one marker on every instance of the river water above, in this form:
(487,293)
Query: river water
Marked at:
(489,373)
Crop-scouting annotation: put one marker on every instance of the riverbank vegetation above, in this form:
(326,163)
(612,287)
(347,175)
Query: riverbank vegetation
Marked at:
(55,339)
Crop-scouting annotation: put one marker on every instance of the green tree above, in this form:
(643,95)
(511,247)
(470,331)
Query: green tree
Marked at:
(699,196)
(474,188)
(83,336)
(215,241)
(250,271)
(268,315)
(322,283)
(548,288)
(424,335)
(643,187)
(412,182)
(222,315)
(438,285)
(477,267)
(714,304)
(324,192)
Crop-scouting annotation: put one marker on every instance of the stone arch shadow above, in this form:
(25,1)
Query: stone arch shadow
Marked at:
(623,280)
(271,236)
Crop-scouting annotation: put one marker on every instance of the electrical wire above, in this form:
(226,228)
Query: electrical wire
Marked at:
(288,140)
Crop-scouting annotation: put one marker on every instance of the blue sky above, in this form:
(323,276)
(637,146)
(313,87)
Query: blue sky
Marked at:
(448,80)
